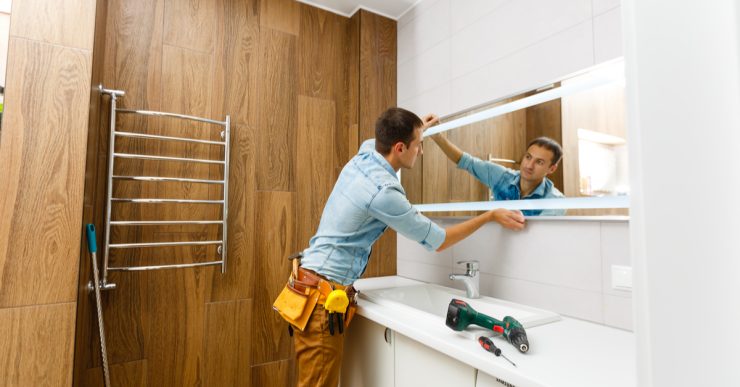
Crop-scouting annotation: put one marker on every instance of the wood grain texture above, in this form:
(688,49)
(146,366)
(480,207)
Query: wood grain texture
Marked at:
(280,15)
(276,374)
(191,23)
(133,54)
(236,93)
(352,108)
(94,194)
(276,139)
(62,22)
(42,196)
(323,57)
(227,355)
(131,374)
(377,70)
(377,93)
(315,178)
(37,345)
(274,235)
(545,119)
(236,78)
(321,46)
(174,327)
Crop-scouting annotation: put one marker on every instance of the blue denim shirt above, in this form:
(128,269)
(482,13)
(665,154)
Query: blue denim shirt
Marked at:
(504,183)
(367,198)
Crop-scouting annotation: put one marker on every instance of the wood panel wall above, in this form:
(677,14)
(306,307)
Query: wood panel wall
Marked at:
(377,92)
(297,82)
(42,151)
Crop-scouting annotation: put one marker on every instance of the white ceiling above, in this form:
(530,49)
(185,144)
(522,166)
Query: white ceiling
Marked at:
(388,8)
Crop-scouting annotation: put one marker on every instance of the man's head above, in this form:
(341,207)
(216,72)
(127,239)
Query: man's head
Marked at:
(541,159)
(398,137)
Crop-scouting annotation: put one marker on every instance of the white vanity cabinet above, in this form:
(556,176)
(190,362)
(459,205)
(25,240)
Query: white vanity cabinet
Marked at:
(486,380)
(368,355)
(418,365)
(376,357)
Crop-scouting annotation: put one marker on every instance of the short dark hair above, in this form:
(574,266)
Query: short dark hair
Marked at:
(394,125)
(551,145)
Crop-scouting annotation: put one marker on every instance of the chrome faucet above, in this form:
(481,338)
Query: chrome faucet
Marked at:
(471,278)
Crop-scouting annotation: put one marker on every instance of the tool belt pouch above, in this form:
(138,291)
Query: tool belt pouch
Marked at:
(296,306)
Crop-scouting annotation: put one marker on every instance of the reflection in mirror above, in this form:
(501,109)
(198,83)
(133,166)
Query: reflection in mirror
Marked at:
(589,125)
(4,37)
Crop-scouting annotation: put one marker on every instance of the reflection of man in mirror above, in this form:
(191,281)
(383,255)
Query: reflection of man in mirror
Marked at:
(529,182)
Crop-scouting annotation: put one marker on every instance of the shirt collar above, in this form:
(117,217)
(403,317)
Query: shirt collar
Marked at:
(538,192)
(382,161)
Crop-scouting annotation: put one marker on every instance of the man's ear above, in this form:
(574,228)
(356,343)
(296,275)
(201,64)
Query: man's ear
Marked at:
(553,168)
(399,147)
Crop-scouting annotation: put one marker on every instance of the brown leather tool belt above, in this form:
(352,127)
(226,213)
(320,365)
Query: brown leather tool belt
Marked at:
(308,279)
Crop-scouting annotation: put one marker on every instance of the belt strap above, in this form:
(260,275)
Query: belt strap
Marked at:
(309,279)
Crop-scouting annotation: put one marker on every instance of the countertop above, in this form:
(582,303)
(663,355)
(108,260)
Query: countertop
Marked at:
(568,352)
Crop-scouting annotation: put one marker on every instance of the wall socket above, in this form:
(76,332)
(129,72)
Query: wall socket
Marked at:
(622,277)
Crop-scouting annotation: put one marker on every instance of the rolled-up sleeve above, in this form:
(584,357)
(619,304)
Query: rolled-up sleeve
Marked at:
(391,207)
(486,172)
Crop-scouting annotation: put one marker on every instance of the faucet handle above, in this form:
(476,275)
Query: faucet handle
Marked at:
(471,265)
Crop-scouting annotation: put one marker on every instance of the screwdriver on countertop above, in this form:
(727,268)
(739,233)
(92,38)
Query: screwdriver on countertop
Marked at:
(488,345)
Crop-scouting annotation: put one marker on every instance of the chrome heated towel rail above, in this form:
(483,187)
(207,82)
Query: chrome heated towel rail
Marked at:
(111,178)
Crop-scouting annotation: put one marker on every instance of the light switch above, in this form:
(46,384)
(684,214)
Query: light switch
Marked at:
(622,277)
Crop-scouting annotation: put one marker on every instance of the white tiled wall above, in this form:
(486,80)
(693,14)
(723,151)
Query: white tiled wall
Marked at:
(560,265)
(453,55)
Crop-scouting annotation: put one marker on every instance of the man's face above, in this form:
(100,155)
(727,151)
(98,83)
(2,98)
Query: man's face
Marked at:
(409,154)
(537,164)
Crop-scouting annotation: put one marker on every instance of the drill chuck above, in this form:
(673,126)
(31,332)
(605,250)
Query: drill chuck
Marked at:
(518,339)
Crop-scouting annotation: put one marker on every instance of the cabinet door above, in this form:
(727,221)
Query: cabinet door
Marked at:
(486,380)
(419,365)
(368,355)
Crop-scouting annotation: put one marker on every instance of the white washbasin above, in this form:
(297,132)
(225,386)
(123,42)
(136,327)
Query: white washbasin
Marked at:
(432,300)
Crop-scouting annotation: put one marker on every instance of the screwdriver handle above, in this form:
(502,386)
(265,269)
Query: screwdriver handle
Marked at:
(488,345)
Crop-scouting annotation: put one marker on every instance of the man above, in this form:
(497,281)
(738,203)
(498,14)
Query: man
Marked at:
(367,198)
(529,182)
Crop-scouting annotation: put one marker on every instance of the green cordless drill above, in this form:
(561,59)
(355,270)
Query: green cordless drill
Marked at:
(460,315)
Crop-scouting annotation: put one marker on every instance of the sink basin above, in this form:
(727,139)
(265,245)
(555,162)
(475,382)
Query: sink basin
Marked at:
(432,300)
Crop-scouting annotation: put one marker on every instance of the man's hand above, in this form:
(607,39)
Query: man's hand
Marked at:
(513,220)
(429,120)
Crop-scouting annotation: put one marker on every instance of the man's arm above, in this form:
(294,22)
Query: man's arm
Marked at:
(513,220)
(391,207)
(451,150)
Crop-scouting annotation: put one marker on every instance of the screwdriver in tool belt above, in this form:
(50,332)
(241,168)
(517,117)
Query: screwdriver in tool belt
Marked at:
(488,345)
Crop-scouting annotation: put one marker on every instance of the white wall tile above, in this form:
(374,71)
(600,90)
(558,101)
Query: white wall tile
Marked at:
(570,302)
(435,101)
(511,28)
(608,35)
(412,251)
(546,61)
(601,6)
(423,272)
(543,252)
(428,29)
(466,12)
(618,312)
(424,72)
(615,250)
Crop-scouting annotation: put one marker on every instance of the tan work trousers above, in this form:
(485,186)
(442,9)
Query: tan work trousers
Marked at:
(318,354)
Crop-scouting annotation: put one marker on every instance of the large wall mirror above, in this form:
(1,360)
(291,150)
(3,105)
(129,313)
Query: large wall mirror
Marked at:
(4,37)
(588,121)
